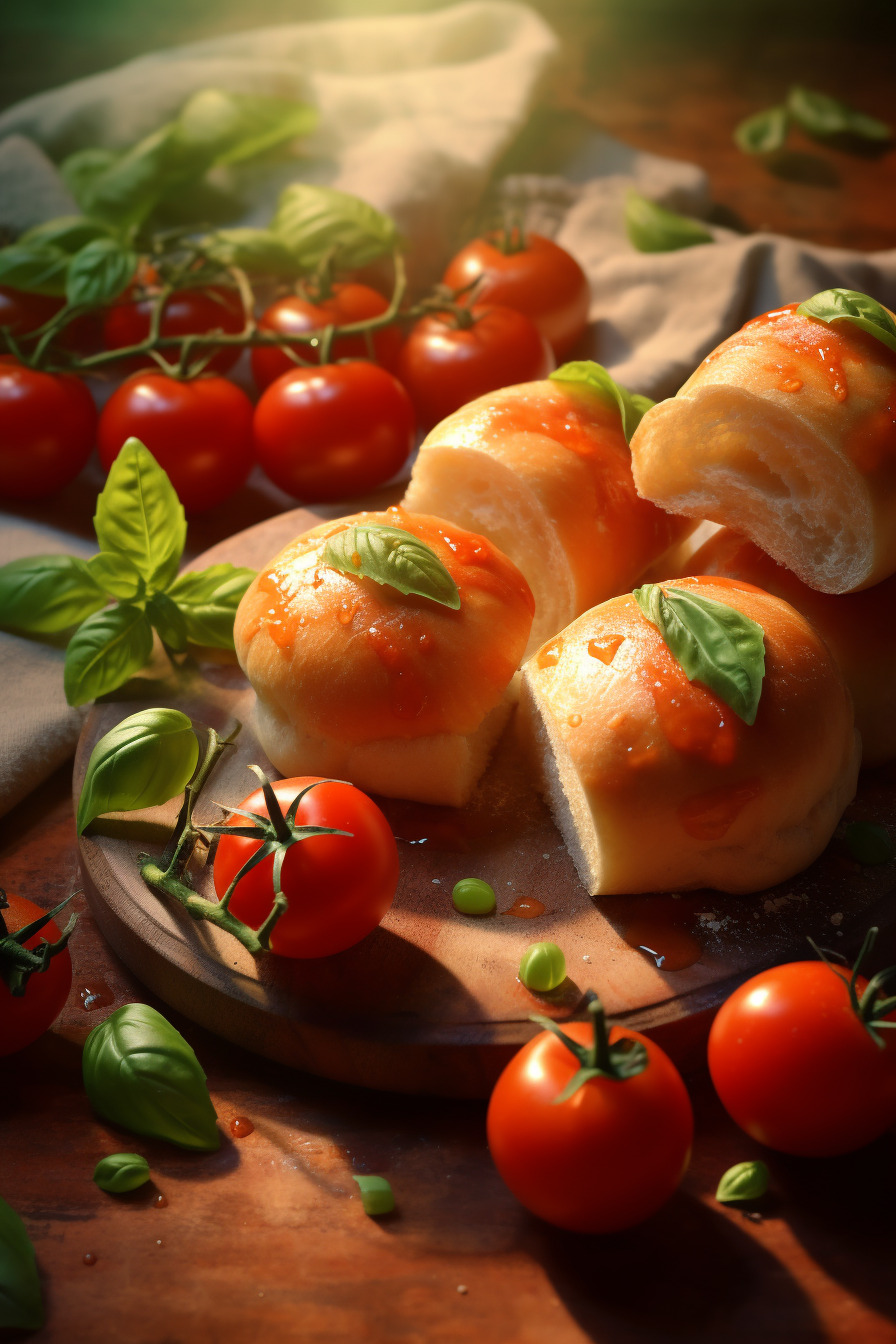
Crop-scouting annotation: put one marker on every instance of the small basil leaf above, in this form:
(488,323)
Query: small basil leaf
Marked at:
(849,305)
(120,1172)
(126,191)
(232,127)
(139,515)
(257,251)
(208,600)
(105,651)
(168,621)
(81,169)
(144,761)
(37,268)
(117,575)
(764,132)
(45,594)
(21,1301)
(99,272)
(869,843)
(376,1195)
(713,642)
(653,228)
(70,232)
(632,405)
(391,556)
(140,1073)
(820,115)
(317,223)
(745,1180)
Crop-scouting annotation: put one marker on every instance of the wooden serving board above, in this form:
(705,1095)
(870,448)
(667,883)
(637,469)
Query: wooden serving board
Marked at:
(431,1002)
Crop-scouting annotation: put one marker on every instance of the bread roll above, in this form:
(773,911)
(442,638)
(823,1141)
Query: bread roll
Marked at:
(786,433)
(544,470)
(398,694)
(655,784)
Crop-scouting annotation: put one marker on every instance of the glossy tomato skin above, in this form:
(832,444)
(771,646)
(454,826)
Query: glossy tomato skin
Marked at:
(23,1019)
(349,302)
(794,1066)
(605,1159)
(188,312)
(541,280)
(22,312)
(338,887)
(200,432)
(333,432)
(444,365)
(47,430)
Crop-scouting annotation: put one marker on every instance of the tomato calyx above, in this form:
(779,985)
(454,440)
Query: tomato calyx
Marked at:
(18,962)
(599,1059)
(872,1007)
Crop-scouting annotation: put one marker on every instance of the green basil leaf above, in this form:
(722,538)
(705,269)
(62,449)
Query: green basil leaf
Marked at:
(37,268)
(391,556)
(820,115)
(232,127)
(139,515)
(257,251)
(129,189)
(869,842)
(70,232)
(99,272)
(713,643)
(745,1180)
(21,1300)
(848,305)
(764,132)
(632,406)
(653,228)
(143,761)
(45,594)
(168,621)
(118,576)
(120,1172)
(320,222)
(140,1073)
(105,651)
(208,600)
(376,1195)
(80,170)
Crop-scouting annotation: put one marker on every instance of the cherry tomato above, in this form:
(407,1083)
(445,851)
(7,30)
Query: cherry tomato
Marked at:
(187,312)
(449,359)
(199,431)
(334,431)
(339,887)
(796,1068)
(22,312)
(539,279)
(605,1158)
(23,1019)
(347,303)
(47,430)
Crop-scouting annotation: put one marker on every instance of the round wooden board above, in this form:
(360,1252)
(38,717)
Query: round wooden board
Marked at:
(431,1002)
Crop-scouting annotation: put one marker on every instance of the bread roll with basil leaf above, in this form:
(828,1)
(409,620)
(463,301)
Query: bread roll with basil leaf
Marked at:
(381,648)
(696,733)
(787,433)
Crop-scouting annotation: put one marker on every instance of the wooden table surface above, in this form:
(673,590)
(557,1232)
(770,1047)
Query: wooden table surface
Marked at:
(267,1239)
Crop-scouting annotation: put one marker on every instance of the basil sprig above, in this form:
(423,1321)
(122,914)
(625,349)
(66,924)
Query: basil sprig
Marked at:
(818,114)
(632,406)
(322,224)
(849,305)
(713,642)
(140,1073)
(142,762)
(653,228)
(392,556)
(763,132)
(21,1301)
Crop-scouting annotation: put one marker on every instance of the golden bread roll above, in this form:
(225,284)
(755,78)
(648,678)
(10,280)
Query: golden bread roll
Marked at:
(858,628)
(655,783)
(396,693)
(544,470)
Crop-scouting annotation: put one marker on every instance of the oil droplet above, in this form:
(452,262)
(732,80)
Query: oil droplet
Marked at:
(240,1126)
(346,613)
(161,1201)
(549,656)
(574,720)
(526,907)
(96,995)
(792,385)
(356,560)
(670,948)
(89,1258)
(605,649)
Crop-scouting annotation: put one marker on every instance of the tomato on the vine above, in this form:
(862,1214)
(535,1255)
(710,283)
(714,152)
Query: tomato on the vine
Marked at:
(25,1017)
(199,431)
(22,312)
(338,887)
(47,430)
(297,315)
(187,312)
(531,274)
(451,358)
(333,431)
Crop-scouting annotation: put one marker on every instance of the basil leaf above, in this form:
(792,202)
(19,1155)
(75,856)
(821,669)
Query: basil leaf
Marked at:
(848,305)
(99,272)
(44,594)
(257,251)
(140,1073)
(120,1172)
(632,405)
(745,1180)
(391,556)
(37,268)
(317,223)
(764,132)
(231,127)
(117,575)
(139,515)
(653,228)
(713,643)
(70,232)
(80,170)
(105,651)
(208,600)
(820,115)
(143,761)
(869,843)
(21,1300)
(167,620)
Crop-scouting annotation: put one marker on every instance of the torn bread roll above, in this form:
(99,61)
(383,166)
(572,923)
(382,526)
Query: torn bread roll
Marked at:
(397,693)
(786,433)
(655,783)
(544,470)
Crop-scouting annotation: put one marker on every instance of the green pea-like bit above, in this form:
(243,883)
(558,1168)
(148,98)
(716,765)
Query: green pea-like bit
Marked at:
(472,896)
(543,967)
(376,1195)
(869,843)
(120,1172)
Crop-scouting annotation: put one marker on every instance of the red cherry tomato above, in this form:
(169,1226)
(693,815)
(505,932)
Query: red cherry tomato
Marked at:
(539,279)
(334,431)
(22,312)
(47,430)
(24,1018)
(348,303)
(339,887)
(200,432)
(188,312)
(796,1068)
